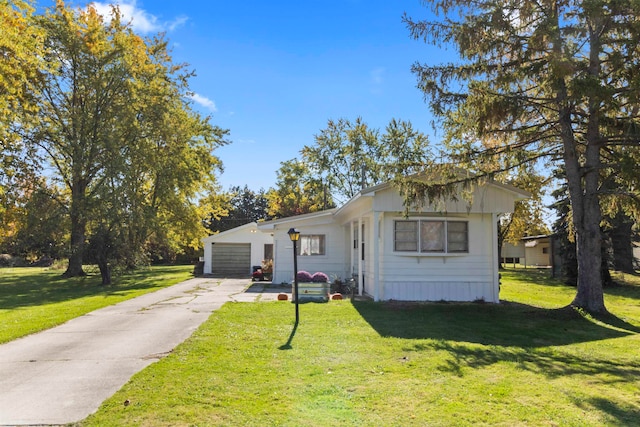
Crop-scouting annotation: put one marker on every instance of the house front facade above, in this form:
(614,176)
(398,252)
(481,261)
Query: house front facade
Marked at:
(444,252)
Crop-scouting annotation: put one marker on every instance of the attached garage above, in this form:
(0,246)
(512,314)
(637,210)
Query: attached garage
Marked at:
(231,259)
(234,252)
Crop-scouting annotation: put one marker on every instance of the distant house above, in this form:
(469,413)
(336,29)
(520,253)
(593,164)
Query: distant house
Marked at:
(446,252)
(531,251)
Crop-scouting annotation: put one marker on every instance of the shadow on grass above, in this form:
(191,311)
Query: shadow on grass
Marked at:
(506,324)
(621,413)
(477,336)
(287,345)
(626,284)
(29,289)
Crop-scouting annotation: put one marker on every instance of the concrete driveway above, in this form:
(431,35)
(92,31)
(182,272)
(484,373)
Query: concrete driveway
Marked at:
(62,375)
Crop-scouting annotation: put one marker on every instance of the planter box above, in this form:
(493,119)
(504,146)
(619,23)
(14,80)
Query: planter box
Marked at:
(311,291)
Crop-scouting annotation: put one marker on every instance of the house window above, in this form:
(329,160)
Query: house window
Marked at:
(268,251)
(545,250)
(457,236)
(429,236)
(311,244)
(406,236)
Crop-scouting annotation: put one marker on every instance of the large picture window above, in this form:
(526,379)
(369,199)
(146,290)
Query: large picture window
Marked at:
(311,244)
(431,236)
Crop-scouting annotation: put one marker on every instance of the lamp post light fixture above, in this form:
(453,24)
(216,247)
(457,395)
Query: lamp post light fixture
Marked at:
(294,235)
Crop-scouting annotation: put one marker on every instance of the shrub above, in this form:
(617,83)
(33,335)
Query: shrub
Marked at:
(304,276)
(7,260)
(320,278)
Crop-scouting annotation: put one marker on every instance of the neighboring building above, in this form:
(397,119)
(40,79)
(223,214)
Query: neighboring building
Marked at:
(445,252)
(531,251)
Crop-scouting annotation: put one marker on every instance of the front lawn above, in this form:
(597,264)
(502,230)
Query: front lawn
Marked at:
(524,362)
(33,299)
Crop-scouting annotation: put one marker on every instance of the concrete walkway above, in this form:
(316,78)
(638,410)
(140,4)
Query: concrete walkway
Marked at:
(62,375)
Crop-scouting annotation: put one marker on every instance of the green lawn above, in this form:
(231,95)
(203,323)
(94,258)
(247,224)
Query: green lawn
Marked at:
(33,299)
(526,362)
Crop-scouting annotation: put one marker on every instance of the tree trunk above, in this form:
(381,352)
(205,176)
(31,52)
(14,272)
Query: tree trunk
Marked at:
(588,252)
(78,230)
(583,185)
(105,270)
(582,163)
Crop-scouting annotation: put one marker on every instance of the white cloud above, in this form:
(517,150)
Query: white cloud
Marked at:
(377,75)
(178,22)
(204,101)
(141,20)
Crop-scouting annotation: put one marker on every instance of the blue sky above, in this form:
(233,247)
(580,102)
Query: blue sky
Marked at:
(274,73)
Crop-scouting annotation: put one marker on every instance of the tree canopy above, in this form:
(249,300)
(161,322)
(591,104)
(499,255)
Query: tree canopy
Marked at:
(350,155)
(236,207)
(298,191)
(553,81)
(113,127)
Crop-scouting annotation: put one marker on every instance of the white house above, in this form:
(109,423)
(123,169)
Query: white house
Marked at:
(446,252)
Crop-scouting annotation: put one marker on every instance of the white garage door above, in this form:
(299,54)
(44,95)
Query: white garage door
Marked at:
(232,259)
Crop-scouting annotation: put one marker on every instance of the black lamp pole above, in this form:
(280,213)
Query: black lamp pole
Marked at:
(294,235)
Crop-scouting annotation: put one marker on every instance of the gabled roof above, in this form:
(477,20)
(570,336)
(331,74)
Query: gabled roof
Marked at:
(269,225)
(371,191)
(507,187)
(231,231)
(365,192)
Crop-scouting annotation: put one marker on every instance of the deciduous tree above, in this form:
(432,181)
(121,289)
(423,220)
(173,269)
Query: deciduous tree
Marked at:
(115,125)
(240,206)
(19,39)
(349,156)
(298,191)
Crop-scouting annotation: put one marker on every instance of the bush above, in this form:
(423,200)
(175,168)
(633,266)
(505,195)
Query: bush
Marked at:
(7,260)
(304,276)
(320,277)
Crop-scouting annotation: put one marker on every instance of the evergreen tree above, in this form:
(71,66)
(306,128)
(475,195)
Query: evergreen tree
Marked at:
(555,81)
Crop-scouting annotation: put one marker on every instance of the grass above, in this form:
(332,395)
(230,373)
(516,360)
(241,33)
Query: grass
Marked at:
(526,362)
(33,299)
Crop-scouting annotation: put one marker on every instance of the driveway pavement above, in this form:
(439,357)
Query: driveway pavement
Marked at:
(62,375)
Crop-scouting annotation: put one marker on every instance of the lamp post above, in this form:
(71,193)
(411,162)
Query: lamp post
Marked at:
(294,235)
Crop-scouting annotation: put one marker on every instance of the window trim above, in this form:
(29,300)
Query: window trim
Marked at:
(419,251)
(322,244)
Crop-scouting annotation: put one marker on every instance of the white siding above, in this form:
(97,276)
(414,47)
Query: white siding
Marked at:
(455,277)
(536,257)
(333,263)
(509,250)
